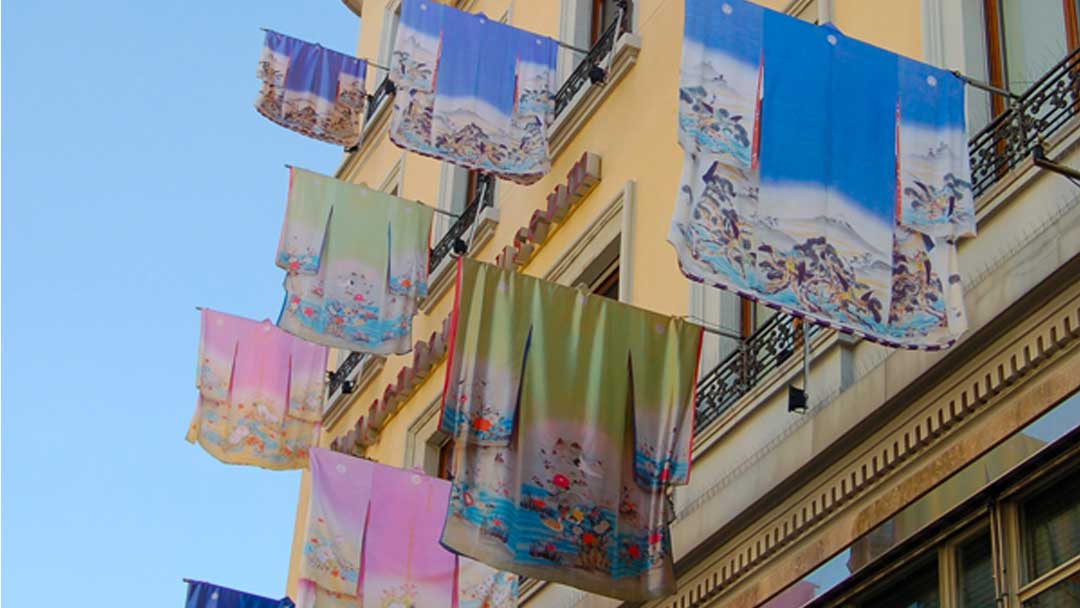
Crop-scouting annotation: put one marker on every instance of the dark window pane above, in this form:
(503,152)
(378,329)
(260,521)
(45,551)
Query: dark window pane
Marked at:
(917,589)
(975,569)
(1052,527)
(1065,594)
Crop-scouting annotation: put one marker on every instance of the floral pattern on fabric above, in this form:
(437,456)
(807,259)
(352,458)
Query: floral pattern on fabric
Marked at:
(372,539)
(571,499)
(261,393)
(356,263)
(822,229)
(473,92)
(311,90)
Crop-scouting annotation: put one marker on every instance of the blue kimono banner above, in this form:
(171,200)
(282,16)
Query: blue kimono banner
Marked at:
(472,91)
(823,176)
(311,90)
(206,595)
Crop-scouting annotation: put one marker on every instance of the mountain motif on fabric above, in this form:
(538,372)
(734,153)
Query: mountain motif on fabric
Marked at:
(472,92)
(800,191)
(311,90)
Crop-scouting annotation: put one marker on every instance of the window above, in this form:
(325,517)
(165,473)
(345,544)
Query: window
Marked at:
(1051,527)
(581,24)
(446,460)
(391,19)
(459,188)
(1025,38)
(608,284)
(913,589)
(604,13)
(975,572)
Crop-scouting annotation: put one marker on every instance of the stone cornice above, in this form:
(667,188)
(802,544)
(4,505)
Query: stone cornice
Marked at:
(888,455)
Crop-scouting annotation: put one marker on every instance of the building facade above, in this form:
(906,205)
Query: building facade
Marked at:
(912,479)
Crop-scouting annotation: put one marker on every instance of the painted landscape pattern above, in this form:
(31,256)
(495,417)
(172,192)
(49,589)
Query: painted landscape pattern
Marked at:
(297,94)
(752,217)
(473,92)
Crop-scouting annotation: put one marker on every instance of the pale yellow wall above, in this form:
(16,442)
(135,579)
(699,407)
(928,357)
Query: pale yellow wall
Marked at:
(634,134)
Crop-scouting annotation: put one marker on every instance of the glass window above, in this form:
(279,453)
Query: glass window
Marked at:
(1051,527)
(1033,32)
(918,589)
(1065,594)
(975,572)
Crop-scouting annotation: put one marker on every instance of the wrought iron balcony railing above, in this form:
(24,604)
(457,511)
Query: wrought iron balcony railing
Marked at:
(589,69)
(777,340)
(1032,118)
(340,377)
(381,93)
(485,197)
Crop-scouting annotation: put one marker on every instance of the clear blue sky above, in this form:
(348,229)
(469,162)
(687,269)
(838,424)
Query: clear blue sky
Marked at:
(138,181)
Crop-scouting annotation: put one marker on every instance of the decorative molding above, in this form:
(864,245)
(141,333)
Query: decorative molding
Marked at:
(927,426)
(561,202)
(620,210)
(426,356)
(589,98)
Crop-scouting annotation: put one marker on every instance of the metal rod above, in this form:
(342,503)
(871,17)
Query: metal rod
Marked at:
(367,61)
(979,84)
(435,209)
(571,47)
(719,331)
(1038,155)
(199,308)
(806,357)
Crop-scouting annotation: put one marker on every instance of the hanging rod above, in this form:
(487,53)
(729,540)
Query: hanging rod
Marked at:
(433,208)
(979,84)
(719,331)
(367,61)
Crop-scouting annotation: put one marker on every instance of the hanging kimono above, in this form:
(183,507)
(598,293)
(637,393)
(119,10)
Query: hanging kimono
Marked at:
(311,90)
(207,595)
(372,539)
(822,176)
(357,263)
(261,393)
(473,92)
(572,415)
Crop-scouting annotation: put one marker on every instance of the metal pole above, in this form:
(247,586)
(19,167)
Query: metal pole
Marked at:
(719,331)
(435,209)
(367,61)
(806,357)
(978,84)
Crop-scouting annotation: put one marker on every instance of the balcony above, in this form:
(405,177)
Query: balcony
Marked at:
(1031,119)
(590,70)
(1035,117)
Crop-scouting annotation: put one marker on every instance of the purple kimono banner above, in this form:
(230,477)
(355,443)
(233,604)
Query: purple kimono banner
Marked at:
(311,90)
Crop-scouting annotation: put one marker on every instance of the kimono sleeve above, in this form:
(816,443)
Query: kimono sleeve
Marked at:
(416,49)
(219,345)
(337,517)
(664,369)
(488,346)
(274,59)
(936,196)
(408,237)
(307,219)
(307,378)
